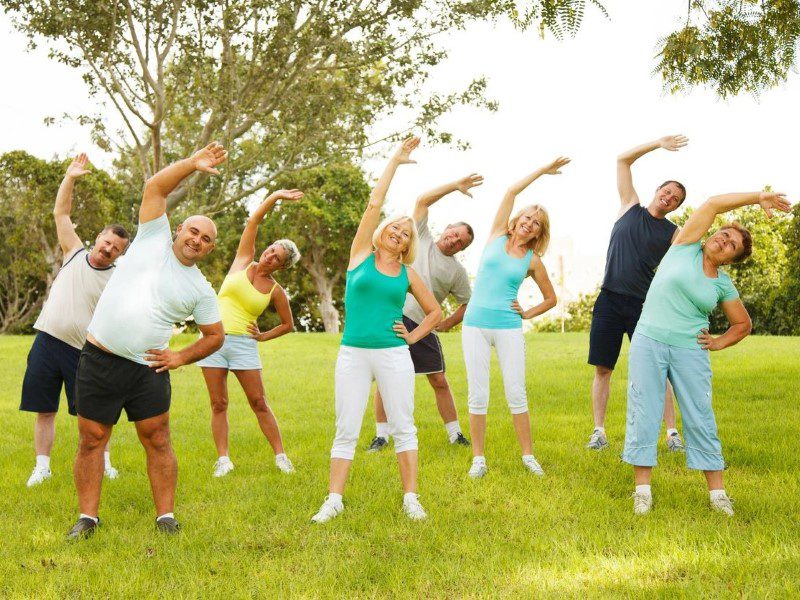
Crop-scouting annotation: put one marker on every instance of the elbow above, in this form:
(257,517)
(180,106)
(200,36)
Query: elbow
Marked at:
(747,327)
(219,341)
(551,302)
(289,328)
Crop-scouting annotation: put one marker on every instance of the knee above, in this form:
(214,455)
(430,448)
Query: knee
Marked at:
(478,404)
(46,418)
(158,440)
(258,403)
(91,440)
(438,382)
(603,372)
(219,404)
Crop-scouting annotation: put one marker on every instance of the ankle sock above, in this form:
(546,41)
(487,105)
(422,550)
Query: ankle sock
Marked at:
(42,461)
(478,459)
(671,432)
(107,459)
(382,430)
(643,489)
(168,515)
(600,429)
(453,429)
(335,498)
(84,516)
(717,494)
(409,497)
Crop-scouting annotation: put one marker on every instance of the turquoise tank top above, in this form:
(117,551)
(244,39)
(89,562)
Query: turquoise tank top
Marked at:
(496,287)
(372,303)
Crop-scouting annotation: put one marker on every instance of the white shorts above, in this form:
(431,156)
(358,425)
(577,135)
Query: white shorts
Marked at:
(238,353)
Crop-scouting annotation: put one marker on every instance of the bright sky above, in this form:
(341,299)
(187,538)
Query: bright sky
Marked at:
(587,98)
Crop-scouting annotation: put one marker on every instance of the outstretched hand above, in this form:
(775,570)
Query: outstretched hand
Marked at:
(554,168)
(673,143)
(77,168)
(291,195)
(464,184)
(206,159)
(403,153)
(770,201)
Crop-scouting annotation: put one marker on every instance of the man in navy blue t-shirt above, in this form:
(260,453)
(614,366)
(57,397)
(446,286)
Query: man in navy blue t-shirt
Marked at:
(639,240)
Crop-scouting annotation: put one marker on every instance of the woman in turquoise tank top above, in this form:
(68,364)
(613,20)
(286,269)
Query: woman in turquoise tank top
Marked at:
(375,341)
(249,287)
(494,315)
(672,342)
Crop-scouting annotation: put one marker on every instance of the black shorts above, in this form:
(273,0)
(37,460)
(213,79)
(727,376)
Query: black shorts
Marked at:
(107,383)
(426,354)
(613,316)
(51,365)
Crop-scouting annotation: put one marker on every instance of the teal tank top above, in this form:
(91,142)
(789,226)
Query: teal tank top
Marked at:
(372,303)
(496,287)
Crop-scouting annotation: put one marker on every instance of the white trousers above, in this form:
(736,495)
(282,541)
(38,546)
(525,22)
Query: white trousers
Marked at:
(510,347)
(393,370)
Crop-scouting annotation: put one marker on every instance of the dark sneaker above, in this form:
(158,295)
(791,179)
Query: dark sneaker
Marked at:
(598,441)
(83,528)
(675,443)
(168,525)
(461,440)
(378,444)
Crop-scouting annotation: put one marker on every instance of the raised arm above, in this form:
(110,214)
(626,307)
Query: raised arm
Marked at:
(161,185)
(247,243)
(701,220)
(429,305)
(627,194)
(500,225)
(542,279)
(281,303)
(362,242)
(65,230)
(431,197)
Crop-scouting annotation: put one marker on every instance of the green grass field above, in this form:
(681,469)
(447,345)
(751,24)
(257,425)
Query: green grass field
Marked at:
(570,534)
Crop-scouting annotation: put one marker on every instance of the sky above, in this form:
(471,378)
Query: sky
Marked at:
(588,98)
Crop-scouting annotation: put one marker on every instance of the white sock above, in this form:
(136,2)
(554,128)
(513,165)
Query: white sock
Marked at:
(277,456)
(42,461)
(672,431)
(600,429)
(335,498)
(107,459)
(382,430)
(478,459)
(453,429)
(717,494)
(225,458)
(643,489)
(409,497)
(83,516)
(527,457)
(166,516)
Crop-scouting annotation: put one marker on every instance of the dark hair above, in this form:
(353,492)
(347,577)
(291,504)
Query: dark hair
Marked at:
(463,224)
(680,186)
(747,241)
(117,230)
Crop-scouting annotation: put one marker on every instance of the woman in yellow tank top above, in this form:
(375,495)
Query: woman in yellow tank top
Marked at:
(247,290)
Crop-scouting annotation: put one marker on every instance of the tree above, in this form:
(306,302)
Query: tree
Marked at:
(787,302)
(579,315)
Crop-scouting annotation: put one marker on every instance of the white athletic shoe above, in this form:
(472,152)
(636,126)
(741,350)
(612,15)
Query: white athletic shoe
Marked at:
(642,503)
(327,511)
(414,510)
(478,469)
(223,466)
(38,476)
(723,505)
(532,465)
(283,463)
(111,472)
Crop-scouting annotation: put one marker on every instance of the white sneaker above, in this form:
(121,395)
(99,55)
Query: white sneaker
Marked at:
(327,511)
(478,469)
(414,510)
(532,465)
(38,476)
(723,505)
(110,472)
(642,503)
(283,463)
(223,466)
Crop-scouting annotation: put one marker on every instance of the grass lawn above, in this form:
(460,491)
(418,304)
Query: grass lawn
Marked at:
(569,534)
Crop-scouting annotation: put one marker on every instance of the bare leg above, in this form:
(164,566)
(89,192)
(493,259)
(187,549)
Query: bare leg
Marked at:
(44,432)
(217,384)
(444,397)
(522,427)
(477,431)
(162,466)
(669,408)
(88,469)
(340,467)
(714,480)
(407,462)
(601,388)
(642,475)
(253,388)
(380,413)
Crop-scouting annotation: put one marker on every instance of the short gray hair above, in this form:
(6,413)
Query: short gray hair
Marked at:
(292,253)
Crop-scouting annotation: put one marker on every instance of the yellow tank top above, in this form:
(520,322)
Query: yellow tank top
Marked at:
(240,303)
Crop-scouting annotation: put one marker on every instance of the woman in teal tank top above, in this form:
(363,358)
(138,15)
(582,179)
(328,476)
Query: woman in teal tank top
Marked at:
(239,353)
(494,315)
(375,341)
(672,342)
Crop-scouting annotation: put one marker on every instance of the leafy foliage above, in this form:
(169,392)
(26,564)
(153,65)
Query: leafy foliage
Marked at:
(578,315)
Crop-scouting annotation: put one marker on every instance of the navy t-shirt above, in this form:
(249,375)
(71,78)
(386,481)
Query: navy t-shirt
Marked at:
(638,243)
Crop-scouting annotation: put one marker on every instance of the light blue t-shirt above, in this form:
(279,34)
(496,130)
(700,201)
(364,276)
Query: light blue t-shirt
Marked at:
(681,297)
(150,291)
(496,286)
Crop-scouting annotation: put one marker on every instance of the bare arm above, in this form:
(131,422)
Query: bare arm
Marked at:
(362,242)
(627,194)
(65,230)
(500,225)
(701,220)
(429,198)
(740,327)
(161,185)
(426,300)
(454,319)
(542,279)
(281,301)
(166,360)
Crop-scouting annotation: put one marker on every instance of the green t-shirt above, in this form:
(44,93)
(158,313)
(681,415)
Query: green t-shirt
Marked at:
(681,297)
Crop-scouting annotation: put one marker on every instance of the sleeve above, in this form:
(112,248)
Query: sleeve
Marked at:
(461,291)
(423,231)
(206,310)
(727,290)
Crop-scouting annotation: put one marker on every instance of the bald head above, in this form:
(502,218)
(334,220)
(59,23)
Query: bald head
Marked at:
(201,221)
(195,238)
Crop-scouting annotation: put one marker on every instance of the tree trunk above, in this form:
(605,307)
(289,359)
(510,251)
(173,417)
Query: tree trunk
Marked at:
(324,286)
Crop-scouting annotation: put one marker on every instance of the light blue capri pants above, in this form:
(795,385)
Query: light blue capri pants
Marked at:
(650,364)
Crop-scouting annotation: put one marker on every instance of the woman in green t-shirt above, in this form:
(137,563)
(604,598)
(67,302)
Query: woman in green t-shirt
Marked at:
(672,341)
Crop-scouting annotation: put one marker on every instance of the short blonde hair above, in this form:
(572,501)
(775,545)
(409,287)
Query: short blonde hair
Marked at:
(407,257)
(539,243)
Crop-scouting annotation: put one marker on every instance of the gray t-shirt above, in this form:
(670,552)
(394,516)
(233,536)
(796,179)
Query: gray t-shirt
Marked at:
(72,299)
(443,275)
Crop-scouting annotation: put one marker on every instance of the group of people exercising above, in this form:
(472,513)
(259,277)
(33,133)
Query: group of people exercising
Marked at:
(104,331)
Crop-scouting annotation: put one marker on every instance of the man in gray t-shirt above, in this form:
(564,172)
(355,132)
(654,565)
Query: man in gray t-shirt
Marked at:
(443,275)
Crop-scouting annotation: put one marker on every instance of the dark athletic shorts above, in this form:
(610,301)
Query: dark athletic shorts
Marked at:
(51,365)
(426,354)
(613,316)
(107,383)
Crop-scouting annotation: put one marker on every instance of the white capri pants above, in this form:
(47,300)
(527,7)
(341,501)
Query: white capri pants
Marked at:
(394,372)
(510,347)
